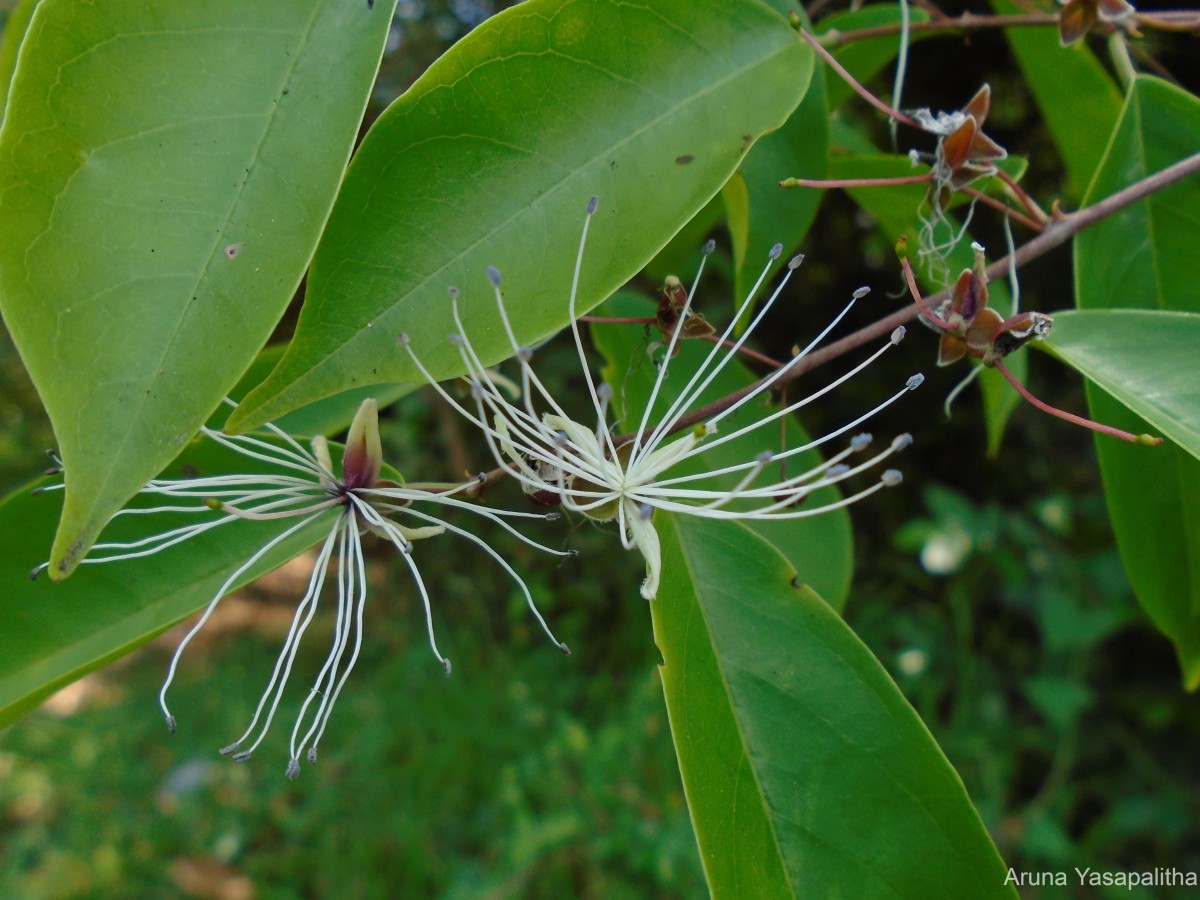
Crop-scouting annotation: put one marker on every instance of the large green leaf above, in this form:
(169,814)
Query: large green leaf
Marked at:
(327,416)
(1146,359)
(168,168)
(1076,97)
(806,771)
(10,41)
(760,212)
(54,633)
(1144,257)
(490,159)
(821,548)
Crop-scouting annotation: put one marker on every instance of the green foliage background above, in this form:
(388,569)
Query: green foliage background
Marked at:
(988,587)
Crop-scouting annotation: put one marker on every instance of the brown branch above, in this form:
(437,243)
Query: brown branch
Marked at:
(1056,232)
(965,22)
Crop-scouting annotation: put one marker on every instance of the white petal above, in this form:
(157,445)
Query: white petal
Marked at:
(645,538)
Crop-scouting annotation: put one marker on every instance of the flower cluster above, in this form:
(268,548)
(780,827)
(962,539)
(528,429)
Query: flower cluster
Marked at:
(626,478)
(585,468)
(303,488)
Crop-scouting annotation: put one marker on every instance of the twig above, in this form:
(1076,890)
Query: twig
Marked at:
(858,88)
(1056,232)
(1004,208)
(965,22)
(856,182)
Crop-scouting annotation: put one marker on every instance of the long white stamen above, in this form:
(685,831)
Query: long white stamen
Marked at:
(237,573)
(661,487)
(688,509)
(675,336)
(504,565)
(692,391)
(587,372)
(522,354)
(420,496)
(301,619)
(351,582)
(405,547)
(243,444)
(257,515)
(158,542)
(774,377)
(801,403)
(247,444)
(480,421)
(326,709)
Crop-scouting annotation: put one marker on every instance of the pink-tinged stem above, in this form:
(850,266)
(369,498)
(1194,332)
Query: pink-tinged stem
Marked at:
(856,182)
(965,22)
(916,295)
(618,320)
(1144,439)
(1056,232)
(1026,201)
(858,88)
(746,351)
(1004,208)
(1169,20)
(711,338)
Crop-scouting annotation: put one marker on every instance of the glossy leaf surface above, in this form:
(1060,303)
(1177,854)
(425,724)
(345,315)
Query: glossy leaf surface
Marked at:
(491,158)
(807,773)
(167,170)
(1076,96)
(1145,359)
(1144,257)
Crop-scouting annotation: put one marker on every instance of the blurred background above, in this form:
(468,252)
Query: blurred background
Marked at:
(989,587)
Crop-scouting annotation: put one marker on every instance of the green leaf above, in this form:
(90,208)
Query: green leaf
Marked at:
(1144,257)
(327,416)
(168,168)
(760,212)
(10,42)
(806,771)
(682,253)
(1076,97)
(490,159)
(57,632)
(821,548)
(1144,359)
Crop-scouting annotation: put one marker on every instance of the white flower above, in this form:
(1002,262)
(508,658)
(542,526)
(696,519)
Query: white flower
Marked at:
(587,469)
(305,489)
